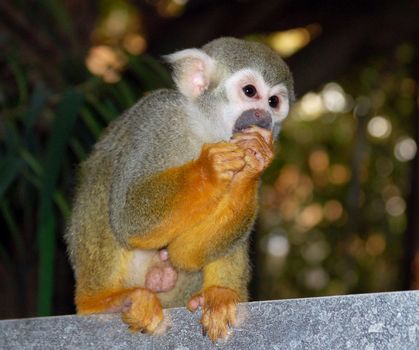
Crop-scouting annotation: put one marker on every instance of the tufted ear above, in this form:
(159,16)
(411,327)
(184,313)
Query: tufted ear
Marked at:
(193,71)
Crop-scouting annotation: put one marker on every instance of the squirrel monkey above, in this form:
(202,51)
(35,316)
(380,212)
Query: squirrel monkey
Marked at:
(177,176)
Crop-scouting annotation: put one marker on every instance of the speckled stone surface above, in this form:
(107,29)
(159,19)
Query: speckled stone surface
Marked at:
(365,321)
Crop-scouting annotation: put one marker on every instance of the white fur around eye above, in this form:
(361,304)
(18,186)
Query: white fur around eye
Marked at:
(239,80)
(281,91)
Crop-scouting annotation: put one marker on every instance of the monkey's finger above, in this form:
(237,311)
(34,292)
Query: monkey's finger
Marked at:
(258,142)
(255,136)
(259,145)
(227,156)
(232,165)
(253,161)
(259,161)
(193,304)
(266,134)
(220,147)
(256,147)
(225,175)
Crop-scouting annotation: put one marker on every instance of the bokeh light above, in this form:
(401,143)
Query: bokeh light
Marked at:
(375,244)
(316,251)
(288,42)
(277,245)
(105,62)
(334,98)
(135,44)
(318,161)
(333,210)
(312,106)
(379,127)
(405,149)
(310,216)
(316,278)
(339,174)
(395,206)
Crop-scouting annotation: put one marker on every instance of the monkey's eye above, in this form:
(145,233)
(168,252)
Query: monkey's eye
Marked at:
(273,101)
(249,90)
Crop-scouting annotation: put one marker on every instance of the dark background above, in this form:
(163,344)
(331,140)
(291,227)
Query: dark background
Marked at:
(339,206)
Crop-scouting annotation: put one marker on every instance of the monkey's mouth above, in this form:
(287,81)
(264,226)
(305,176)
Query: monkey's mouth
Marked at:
(253,117)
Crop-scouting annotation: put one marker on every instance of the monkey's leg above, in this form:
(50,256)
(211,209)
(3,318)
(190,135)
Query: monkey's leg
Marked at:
(225,284)
(141,309)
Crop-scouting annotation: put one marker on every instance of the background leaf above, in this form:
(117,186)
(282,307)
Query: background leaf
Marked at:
(65,118)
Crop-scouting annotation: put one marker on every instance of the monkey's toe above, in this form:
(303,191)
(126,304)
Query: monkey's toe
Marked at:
(195,302)
(219,311)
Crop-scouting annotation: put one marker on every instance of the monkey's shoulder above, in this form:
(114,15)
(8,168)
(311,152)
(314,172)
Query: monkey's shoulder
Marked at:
(155,117)
(152,135)
(161,108)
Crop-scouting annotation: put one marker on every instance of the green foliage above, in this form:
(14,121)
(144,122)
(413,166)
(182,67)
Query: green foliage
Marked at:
(44,134)
(65,118)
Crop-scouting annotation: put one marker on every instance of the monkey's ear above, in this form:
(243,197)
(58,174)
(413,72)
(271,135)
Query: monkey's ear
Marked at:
(193,70)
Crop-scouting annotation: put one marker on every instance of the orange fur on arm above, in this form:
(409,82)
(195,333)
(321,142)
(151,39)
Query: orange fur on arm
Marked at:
(225,224)
(192,201)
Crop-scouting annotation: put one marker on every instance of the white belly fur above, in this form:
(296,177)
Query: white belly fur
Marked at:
(141,260)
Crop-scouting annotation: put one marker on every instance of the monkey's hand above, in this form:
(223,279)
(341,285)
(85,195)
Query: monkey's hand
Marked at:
(162,276)
(143,311)
(258,146)
(219,309)
(220,161)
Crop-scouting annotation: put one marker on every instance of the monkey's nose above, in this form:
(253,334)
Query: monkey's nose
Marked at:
(260,113)
(250,117)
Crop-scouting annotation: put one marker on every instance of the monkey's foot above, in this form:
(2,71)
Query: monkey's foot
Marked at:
(219,309)
(144,312)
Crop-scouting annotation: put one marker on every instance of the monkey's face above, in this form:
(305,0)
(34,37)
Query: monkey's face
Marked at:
(232,84)
(252,101)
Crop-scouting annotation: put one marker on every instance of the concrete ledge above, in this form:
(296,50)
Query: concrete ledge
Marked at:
(364,321)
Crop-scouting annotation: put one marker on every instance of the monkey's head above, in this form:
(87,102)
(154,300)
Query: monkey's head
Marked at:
(233,84)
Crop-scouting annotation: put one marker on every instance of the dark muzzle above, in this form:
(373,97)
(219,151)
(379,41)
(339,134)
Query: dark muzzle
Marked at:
(257,117)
